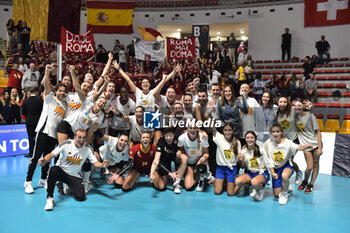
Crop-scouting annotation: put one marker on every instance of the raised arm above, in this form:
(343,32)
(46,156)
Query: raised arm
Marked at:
(99,82)
(76,83)
(46,79)
(159,87)
(125,76)
(102,89)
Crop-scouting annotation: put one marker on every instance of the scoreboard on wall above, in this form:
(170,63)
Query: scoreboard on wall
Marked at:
(13,140)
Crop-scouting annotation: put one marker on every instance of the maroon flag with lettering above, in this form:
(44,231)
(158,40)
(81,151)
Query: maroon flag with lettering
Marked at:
(181,48)
(73,43)
(326,12)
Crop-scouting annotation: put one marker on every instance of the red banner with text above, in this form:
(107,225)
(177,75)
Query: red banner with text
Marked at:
(181,48)
(73,43)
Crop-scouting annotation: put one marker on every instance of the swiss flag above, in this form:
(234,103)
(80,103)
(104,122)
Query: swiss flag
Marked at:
(326,12)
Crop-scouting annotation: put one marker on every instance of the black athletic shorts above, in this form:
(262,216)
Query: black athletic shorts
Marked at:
(65,128)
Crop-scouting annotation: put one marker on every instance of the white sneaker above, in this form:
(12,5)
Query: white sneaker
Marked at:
(28,188)
(200,186)
(86,186)
(283,198)
(66,190)
(252,193)
(242,190)
(49,203)
(259,195)
(177,188)
(298,177)
(42,183)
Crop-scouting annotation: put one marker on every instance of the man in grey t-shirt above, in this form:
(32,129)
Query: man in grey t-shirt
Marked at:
(30,77)
(311,88)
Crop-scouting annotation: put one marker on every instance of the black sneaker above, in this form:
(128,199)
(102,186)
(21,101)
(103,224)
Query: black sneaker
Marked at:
(302,186)
(309,189)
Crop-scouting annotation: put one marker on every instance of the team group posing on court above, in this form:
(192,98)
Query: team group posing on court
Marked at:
(94,127)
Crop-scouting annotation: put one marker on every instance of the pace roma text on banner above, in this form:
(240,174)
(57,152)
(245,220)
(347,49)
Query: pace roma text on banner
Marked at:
(181,48)
(73,43)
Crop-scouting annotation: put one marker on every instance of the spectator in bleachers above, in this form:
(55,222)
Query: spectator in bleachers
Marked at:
(15,106)
(101,54)
(274,86)
(323,48)
(308,67)
(116,49)
(243,73)
(232,47)
(311,88)
(243,56)
(22,66)
(32,53)
(224,51)
(11,43)
(17,52)
(286,43)
(217,58)
(10,25)
(31,77)
(25,37)
(15,76)
(250,61)
(284,85)
(296,88)
(123,58)
(226,65)
(19,28)
(5,108)
(131,49)
(240,48)
(258,87)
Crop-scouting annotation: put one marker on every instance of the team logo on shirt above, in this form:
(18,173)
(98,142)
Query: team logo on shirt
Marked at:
(278,156)
(59,111)
(253,162)
(228,154)
(285,124)
(300,127)
(76,159)
(73,106)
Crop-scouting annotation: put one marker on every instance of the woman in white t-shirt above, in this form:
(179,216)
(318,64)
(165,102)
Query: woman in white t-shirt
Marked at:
(227,150)
(195,147)
(145,97)
(309,132)
(279,152)
(256,174)
(52,114)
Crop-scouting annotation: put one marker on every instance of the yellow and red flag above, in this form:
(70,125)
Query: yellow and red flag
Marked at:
(46,17)
(149,34)
(110,17)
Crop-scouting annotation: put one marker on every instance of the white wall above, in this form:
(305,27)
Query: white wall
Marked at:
(265,29)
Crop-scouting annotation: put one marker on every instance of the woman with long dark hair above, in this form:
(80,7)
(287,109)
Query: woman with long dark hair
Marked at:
(256,175)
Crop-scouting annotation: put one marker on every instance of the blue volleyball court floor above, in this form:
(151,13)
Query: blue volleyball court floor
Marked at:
(146,210)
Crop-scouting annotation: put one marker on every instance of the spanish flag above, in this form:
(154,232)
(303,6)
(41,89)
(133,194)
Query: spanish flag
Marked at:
(149,34)
(109,17)
(45,17)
